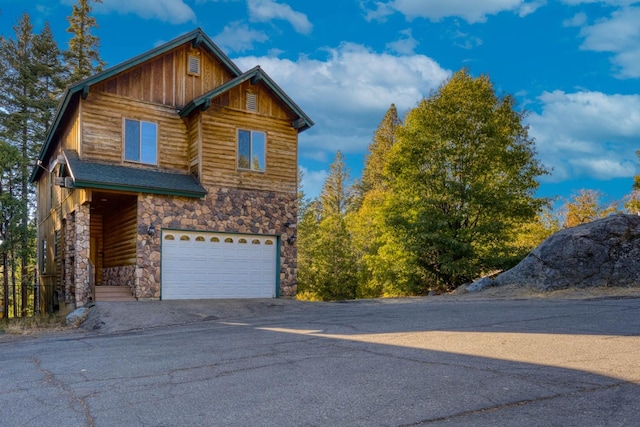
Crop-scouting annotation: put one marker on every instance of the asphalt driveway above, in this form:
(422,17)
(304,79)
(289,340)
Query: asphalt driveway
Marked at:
(422,361)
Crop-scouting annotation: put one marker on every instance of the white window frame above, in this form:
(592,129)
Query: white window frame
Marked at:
(142,156)
(256,138)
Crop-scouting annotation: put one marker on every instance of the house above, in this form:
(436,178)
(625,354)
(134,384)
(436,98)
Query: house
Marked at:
(170,176)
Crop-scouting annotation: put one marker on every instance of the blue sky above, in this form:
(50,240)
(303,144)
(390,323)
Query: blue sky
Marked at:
(574,65)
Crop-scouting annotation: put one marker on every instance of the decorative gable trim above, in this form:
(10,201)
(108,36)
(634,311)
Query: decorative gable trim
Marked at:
(256,74)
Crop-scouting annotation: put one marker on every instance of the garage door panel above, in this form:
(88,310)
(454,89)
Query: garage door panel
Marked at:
(201,265)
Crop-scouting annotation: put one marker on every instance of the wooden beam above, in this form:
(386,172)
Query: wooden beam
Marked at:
(85,91)
(297,124)
(256,79)
(197,41)
(206,105)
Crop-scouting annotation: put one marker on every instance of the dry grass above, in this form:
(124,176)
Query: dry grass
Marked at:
(33,324)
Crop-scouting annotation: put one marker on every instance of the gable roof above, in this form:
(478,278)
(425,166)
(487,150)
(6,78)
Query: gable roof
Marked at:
(255,75)
(122,178)
(197,37)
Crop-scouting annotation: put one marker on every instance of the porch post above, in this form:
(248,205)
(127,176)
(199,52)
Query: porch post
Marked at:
(82,268)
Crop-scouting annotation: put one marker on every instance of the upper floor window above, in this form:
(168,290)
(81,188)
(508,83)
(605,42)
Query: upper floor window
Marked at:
(251,150)
(140,141)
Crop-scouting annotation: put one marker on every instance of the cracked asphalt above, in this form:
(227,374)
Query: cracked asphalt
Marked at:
(396,362)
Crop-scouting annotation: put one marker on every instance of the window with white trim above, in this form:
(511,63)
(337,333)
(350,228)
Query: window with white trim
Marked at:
(140,141)
(252,150)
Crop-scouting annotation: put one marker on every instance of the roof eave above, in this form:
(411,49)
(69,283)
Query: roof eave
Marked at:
(256,75)
(96,185)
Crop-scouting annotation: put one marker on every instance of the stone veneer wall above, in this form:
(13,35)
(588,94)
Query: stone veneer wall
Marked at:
(222,210)
(69,258)
(82,240)
(120,276)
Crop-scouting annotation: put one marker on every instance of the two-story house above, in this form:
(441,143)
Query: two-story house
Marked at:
(171,176)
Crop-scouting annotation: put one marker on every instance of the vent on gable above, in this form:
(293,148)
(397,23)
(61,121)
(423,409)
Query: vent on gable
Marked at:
(252,102)
(193,66)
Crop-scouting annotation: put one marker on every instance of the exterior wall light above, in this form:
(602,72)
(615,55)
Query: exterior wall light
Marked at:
(152,230)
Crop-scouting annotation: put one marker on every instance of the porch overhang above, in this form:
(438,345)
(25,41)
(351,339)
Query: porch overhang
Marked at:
(90,175)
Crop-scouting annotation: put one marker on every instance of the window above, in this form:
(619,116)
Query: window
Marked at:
(140,141)
(251,150)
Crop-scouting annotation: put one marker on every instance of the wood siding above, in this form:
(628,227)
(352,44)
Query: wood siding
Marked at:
(103,121)
(195,144)
(164,80)
(219,151)
(71,134)
(120,236)
(96,245)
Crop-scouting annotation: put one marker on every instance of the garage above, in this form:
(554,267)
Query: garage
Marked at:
(205,265)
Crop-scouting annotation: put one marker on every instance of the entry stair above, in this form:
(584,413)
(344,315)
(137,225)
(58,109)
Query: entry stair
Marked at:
(113,293)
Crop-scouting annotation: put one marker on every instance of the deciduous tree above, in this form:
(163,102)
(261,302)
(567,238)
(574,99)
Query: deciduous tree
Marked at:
(586,206)
(462,171)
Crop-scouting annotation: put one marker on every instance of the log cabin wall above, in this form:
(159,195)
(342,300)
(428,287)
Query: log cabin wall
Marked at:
(219,145)
(96,249)
(120,235)
(103,123)
(195,144)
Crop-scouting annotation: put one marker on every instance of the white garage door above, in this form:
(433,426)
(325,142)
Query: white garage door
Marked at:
(200,265)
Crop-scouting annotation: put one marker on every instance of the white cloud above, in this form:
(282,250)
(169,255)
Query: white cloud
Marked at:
(605,2)
(267,10)
(587,134)
(405,45)
(619,34)
(529,8)
(238,37)
(577,20)
(172,11)
(435,10)
(348,93)
(312,181)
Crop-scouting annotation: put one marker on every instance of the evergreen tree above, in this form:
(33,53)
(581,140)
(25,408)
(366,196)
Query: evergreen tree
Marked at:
(326,263)
(9,205)
(379,149)
(83,59)
(28,94)
(336,196)
(462,170)
(383,263)
(48,67)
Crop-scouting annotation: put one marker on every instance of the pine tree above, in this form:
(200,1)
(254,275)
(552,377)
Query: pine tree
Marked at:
(336,196)
(48,66)
(379,149)
(28,94)
(82,57)
(327,266)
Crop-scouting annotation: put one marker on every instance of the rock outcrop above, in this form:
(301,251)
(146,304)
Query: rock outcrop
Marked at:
(603,253)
